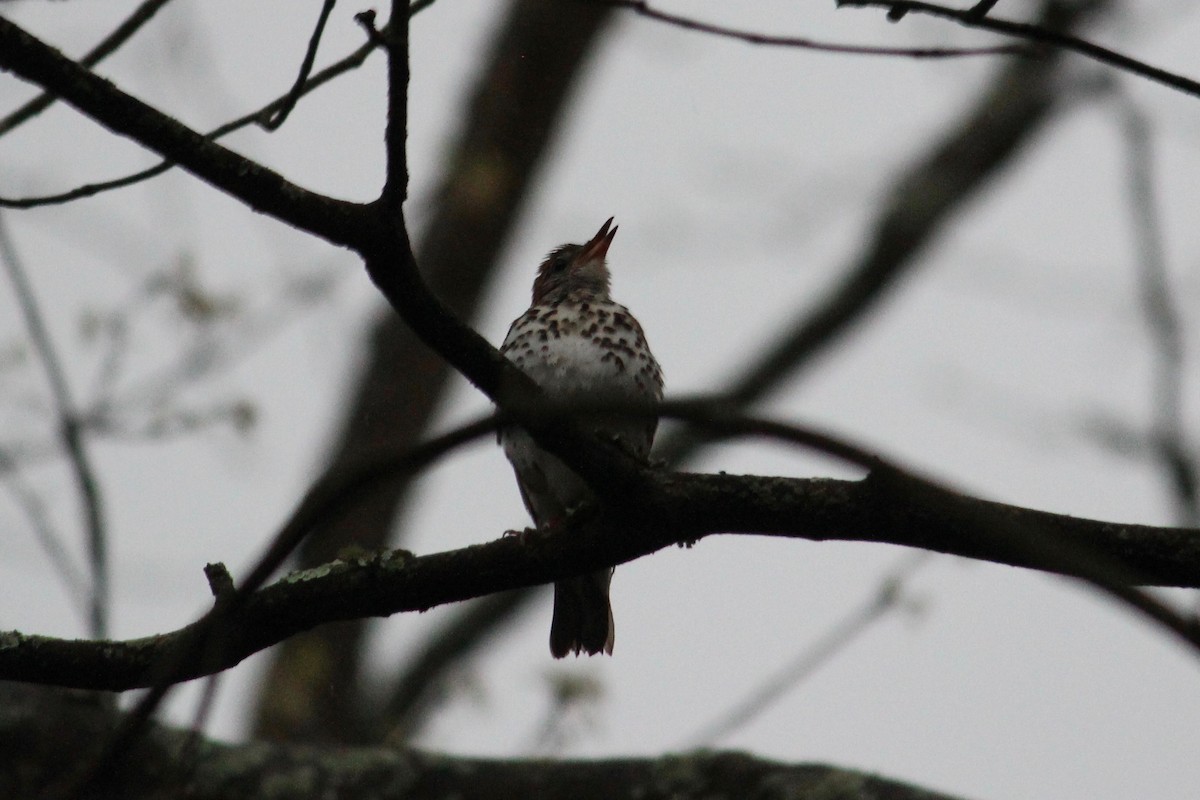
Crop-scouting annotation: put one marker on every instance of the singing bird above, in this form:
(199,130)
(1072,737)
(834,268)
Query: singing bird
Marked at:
(577,343)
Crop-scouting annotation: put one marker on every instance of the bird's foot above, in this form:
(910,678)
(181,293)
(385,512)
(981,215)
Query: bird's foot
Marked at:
(523,536)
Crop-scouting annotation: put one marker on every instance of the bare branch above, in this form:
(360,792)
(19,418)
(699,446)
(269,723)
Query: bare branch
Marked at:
(885,600)
(1034,33)
(70,429)
(395,188)
(165,660)
(352,61)
(982,8)
(643,9)
(1161,316)
(107,46)
(376,231)
(34,507)
(262,189)
(394,582)
(920,202)
(40,725)
(271,121)
(888,506)
(366,20)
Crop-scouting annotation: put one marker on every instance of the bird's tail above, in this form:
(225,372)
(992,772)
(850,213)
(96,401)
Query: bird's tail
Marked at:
(583,620)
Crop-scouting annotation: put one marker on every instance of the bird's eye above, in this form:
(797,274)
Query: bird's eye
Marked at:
(560,264)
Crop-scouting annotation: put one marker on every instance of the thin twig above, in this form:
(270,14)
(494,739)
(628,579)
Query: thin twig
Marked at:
(34,507)
(272,120)
(366,21)
(816,654)
(1034,33)
(204,636)
(153,391)
(1161,316)
(643,9)
(920,203)
(70,433)
(410,699)
(352,61)
(107,46)
(982,8)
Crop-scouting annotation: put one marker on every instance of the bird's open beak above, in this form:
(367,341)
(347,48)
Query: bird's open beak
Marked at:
(598,246)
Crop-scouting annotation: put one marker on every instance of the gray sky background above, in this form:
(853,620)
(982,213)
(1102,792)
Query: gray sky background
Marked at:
(742,179)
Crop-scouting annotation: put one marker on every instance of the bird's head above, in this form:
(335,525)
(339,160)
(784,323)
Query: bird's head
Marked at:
(572,267)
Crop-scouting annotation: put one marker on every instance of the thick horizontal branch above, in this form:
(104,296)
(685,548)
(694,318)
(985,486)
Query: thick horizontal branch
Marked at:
(38,726)
(262,189)
(692,506)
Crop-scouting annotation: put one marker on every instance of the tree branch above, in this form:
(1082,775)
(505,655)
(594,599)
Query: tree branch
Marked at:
(376,231)
(278,116)
(340,67)
(107,46)
(313,688)
(1162,318)
(888,597)
(395,189)
(972,18)
(922,200)
(337,221)
(642,9)
(70,431)
(38,726)
(690,506)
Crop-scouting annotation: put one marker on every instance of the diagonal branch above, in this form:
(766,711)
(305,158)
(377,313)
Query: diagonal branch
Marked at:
(278,116)
(337,221)
(204,641)
(919,204)
(887,597)
(107,46)
(351,61)
(376,231)
(1162,317)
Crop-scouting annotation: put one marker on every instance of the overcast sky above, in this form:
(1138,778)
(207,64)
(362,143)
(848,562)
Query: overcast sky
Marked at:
(743,180)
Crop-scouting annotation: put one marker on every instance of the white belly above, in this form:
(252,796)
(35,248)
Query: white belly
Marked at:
(593,352)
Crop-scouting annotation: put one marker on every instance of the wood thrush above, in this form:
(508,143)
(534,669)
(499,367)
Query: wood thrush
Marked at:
(578,344)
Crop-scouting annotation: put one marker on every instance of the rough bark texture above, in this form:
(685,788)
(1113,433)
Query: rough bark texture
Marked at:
(685,508)
(37,726)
